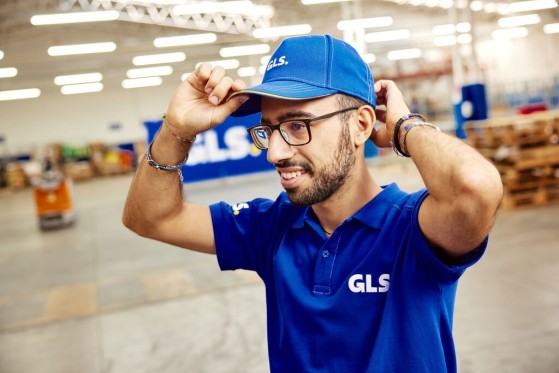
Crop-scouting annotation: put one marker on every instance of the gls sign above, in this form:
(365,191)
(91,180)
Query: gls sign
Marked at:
(208,150)
(225,150)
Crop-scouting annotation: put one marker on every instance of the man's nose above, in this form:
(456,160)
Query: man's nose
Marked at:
(278,148)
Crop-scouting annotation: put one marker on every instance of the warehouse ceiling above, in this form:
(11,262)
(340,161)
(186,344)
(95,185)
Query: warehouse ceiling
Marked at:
(25,46)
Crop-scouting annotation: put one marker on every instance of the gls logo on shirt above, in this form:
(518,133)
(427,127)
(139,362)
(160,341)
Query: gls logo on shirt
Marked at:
(238,207)
(359,283)
(280,61)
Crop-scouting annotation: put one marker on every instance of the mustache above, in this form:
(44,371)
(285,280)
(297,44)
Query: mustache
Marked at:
(304,165)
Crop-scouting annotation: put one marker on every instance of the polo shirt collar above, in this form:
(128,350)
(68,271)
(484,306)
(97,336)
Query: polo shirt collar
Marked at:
(373,214)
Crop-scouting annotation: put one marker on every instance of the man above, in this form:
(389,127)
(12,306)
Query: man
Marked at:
(359,277)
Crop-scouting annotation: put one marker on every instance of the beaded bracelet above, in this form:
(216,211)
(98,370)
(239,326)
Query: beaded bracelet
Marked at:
(396,144)
(180,139)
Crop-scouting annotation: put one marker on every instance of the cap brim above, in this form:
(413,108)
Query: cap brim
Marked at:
(280,90)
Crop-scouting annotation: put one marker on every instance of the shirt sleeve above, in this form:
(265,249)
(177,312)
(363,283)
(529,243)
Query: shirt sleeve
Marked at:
(443,272)
(246,233)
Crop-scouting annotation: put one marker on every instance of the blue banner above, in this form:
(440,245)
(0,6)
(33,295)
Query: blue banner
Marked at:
(225,150)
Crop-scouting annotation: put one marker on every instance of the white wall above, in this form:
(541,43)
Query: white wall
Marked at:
(81,119)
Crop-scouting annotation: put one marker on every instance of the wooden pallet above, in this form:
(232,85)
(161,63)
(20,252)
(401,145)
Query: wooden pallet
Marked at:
(531,130)
(534,197)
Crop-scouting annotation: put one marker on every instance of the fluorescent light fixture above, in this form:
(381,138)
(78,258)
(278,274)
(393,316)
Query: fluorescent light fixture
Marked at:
(528,6)
(404,54)
(149,71)
(490,7)
(476,5)
(177,41)
(78,17)
(226,64)
(312,2)
(529,19)
(265,59)
(184,76)
(551,28)
(377,37)
(1,55)
(19,94)
(154,59)
(65,50)
(78,78)
(224,7)
(246,71)
(74,89)
(464,38)
(445,40)
(262,70)
(369,57)
(280,31)
(152,81)
(448,29)
(245,50)
(352,24)
(510,33)
(8,72)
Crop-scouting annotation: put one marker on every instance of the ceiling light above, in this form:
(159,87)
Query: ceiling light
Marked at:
(281,31)
(8,72)
(245,50)
(78,78)
(445,40)
(246,71)
(142,82)
(154,59)
(149,71)
(530,19)
(551,28)
(184,76)
(368,58)
(74,89)
(476,5)
(510,33)
(376,37)
(404,54)
(265,59)
(312,2)
(527,6)
(1,55)
(464,39)
(19,94)
(225,7)
(79,17)
(226,64)
(176,41)
(64,50)
(351,24)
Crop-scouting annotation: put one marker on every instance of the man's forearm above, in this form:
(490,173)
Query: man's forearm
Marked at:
(156,194)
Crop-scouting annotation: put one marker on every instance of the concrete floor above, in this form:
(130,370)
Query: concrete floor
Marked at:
(97,298)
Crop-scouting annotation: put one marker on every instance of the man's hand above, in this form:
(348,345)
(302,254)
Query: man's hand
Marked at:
(200,101)
(389,96)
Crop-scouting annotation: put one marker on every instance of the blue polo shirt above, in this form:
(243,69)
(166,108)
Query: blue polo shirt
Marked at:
(372,298)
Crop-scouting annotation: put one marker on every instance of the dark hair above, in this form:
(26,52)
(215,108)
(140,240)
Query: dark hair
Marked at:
(345,101)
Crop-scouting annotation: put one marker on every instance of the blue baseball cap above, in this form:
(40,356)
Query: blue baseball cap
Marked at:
(311,66)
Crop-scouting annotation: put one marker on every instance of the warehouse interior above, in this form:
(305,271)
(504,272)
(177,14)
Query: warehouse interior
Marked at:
(81,293)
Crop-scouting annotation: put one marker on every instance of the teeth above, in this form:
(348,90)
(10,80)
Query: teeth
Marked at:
(290,175)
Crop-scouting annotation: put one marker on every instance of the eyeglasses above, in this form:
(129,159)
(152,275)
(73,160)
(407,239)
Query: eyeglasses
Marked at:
(295,132)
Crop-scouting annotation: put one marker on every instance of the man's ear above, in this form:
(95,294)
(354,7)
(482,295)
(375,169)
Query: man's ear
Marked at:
(365,122)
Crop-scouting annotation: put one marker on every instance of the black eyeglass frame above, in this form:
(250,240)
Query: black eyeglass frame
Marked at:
(274,127)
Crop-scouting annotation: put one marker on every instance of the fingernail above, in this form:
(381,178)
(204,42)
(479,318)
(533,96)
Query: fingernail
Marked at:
(209,90)
(214,100)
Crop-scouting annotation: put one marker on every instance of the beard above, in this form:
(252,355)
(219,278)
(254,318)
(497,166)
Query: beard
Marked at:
(330,179)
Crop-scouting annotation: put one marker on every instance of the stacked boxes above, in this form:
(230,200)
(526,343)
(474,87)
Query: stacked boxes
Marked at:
(525,150)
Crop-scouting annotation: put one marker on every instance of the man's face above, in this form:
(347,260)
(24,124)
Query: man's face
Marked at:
(313,172)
